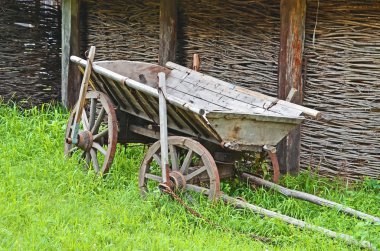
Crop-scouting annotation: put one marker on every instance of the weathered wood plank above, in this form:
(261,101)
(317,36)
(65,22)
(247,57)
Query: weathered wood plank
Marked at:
(70,84)
(154,104)
(168,31)
(292,35)
(231,99)
(239,93)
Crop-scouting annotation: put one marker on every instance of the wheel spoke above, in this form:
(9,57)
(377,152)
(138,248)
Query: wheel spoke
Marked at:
(88,159)
(199,171)
(99,117)
(85,120)
(99,148)
(174,157)
(153,177)
(95,162)
(98,121)
(186,161)
(195,173)
(100,135)
(157,159)
(92,113)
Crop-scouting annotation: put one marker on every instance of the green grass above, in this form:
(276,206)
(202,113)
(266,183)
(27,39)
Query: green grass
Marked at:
(47,202)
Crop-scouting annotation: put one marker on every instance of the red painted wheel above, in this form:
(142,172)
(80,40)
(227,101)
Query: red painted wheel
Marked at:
(97,134)
(191,168)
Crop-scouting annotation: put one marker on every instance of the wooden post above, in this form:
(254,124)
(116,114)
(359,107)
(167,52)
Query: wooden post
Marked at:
(292,34)
(168,31)
(70,84)
(163,127)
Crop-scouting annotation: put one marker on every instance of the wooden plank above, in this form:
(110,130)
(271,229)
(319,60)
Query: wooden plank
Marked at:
(227,98)
(98,84)
(184,74)
(186,117)
(108,90)
(168,31)
(292,35)
(190,97)
(154,104)
(144,131)
(145,106)
(70,84)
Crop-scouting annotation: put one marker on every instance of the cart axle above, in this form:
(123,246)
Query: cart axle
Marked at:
(84,140)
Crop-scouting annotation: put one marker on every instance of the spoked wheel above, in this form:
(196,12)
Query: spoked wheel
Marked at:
(191,168)
(97,136)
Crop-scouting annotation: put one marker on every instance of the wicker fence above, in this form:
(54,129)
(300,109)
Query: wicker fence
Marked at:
(29,51)
(121,29)
(342,72)
(239,42)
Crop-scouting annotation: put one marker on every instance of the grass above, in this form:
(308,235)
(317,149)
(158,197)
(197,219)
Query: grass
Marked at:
(48,203)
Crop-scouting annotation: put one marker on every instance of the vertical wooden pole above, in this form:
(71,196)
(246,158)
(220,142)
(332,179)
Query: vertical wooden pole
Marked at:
(37,7)
(292,34)
(168,31)
(163,127)
(70,46)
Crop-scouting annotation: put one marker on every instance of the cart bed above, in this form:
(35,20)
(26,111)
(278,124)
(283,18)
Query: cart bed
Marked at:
(198,105)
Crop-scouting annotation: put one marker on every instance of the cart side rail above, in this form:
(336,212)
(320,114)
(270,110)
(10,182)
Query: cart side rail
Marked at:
(139,86)
(183,117)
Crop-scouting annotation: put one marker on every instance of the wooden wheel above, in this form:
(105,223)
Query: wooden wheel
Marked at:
(191,168)
(97,136)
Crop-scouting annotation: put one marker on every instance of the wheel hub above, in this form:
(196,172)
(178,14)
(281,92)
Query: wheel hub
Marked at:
(85,140)
(178,180)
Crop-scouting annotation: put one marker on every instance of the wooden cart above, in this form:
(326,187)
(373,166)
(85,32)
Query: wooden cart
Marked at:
(196,127)
(211,123)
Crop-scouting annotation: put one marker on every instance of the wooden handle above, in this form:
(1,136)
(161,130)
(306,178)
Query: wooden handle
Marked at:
(82,96)
(84,84)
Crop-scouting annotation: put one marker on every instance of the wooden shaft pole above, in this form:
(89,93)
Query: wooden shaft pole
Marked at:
(84,84)
(309,197)
(299,223)
(82,96)
(163,127)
